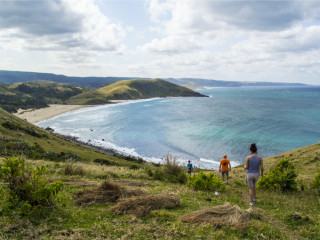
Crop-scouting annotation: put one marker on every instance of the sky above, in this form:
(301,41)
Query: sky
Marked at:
(256,40)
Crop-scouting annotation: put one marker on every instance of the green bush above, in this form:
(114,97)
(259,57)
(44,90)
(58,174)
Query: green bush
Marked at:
(158,174)
(134,167)
(170,172)
(205,182)
(26,184)
(182,178)
(102,161)
(281,178)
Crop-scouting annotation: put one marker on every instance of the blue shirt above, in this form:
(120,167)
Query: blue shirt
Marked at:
(254,164)
(189,166)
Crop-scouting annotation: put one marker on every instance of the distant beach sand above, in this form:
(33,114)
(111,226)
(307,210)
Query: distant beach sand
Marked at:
(53,110)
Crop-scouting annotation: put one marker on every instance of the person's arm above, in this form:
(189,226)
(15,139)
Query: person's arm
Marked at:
(261,166)
(230,166)
(247,163)
(220,167)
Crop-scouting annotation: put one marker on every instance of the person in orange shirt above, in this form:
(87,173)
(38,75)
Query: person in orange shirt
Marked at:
(225,167)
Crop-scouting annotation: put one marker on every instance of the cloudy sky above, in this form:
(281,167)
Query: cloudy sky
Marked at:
(270,40)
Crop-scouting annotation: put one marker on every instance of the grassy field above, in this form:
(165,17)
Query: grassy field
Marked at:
(273,217)
(277,215)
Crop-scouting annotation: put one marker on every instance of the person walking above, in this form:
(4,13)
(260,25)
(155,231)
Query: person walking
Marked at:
(254,163)
(189,167)
(224,168)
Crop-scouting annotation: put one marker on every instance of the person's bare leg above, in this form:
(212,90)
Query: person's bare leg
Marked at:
(251,192)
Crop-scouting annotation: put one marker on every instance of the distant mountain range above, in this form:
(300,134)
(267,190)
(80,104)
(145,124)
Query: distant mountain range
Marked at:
(97,82)
(203,83)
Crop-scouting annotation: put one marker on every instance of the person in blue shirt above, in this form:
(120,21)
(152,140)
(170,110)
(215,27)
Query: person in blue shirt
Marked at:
(189,167)
(254,169)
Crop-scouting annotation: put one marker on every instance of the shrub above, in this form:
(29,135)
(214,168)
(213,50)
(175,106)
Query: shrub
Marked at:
(170,172)
(134,167)
(205,182)
(158,174)
(281,178)
(182,178)
(171,165)
(26,184)
(102,161)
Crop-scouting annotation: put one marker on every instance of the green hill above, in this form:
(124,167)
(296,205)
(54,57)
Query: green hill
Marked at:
(18,137)
(133,89)
(35,94)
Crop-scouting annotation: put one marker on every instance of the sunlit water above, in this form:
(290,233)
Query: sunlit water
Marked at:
(277,119)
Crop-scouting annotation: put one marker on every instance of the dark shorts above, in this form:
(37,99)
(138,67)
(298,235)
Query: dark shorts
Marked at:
(226,172)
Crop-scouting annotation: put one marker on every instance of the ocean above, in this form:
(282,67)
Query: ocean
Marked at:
(277,119)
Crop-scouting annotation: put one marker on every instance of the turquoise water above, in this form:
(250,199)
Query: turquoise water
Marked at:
(277,119)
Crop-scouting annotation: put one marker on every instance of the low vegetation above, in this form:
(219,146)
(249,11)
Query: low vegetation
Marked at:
(206,182)
(53,189)
(25,186)
(281,178)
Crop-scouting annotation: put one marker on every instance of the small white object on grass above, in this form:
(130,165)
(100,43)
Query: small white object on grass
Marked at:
(216,193)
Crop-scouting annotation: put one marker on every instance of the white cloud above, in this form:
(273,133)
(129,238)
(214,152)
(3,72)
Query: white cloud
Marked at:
(194,16)
(59,26)
(158,9)
(235,38)
(170,45)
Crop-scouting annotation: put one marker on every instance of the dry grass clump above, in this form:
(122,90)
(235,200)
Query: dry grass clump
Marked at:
(107,192)
(225,214)
(142,205)
(73,168)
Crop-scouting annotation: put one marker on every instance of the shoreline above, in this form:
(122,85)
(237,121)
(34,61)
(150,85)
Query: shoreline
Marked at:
(36,115)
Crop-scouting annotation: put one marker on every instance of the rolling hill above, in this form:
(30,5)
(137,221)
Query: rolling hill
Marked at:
(36,94)
(133,89)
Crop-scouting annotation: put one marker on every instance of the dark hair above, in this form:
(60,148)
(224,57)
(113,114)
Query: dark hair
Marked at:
(253,148)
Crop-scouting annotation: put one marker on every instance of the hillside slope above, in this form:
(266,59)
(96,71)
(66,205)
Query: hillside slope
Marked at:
(36,94)
(18,137)
(133,89)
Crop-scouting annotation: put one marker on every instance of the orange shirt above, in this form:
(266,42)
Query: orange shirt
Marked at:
(225,165)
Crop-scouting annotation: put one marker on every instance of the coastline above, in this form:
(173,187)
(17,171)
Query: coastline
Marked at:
(37,115)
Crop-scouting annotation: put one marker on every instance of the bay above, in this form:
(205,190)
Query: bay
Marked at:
(277,119)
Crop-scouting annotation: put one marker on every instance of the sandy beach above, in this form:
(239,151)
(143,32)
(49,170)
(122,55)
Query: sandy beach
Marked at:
(53,110)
